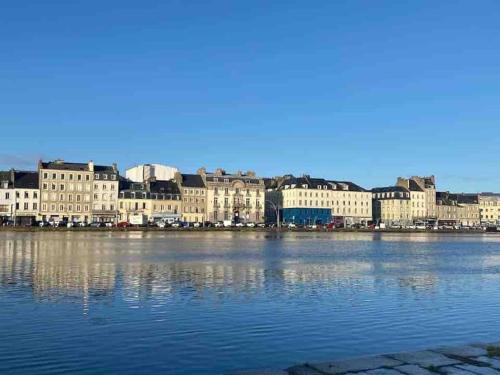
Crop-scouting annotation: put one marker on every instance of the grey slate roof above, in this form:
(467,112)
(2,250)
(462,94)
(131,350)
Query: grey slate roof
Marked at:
(20,179)
(69,166)
(414,186)
(192,180)
(26,180)
(165,187)
(400,192)
(312,183)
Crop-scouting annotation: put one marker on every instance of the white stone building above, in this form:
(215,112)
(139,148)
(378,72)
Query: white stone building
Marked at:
(145,172)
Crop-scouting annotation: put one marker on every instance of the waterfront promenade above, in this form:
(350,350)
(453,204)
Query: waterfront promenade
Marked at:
(479,359)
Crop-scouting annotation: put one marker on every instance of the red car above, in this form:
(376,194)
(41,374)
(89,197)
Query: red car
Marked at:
(123,224)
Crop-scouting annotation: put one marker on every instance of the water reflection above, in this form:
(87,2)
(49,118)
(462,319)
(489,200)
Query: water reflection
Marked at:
(79,266)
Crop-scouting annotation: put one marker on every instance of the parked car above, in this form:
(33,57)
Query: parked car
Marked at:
(219,224)
(82,224)
(292,225)
(70,224)
(261,225)
(177,224)
(161,224)
(228,223)
(123,224)
(239,225)
(251,225)
(197,225)
(208,224)
(97,225)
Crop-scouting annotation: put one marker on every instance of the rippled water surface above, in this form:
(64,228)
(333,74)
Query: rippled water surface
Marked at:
(206,303)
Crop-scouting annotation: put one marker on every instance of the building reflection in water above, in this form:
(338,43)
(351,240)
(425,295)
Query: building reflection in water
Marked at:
(135,267)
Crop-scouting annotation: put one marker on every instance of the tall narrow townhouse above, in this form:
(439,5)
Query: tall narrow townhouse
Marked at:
(194,197)
(105,194)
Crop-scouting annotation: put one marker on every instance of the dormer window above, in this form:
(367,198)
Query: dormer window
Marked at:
(319,187)
(304,186)
(293,186)
(96,176)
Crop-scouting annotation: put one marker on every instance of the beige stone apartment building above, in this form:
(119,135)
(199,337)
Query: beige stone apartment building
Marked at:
(105,194)
(392,205)
(308,200)
(194,197)
(157,200)
(458,209)
(423,196)
(489,206)
(239,197)
(67,190)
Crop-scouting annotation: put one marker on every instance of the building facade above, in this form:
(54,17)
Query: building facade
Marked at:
(67,190)
(489,206)
(306,200)
(194,197)
(19,197)
(145,172)
(458,209)
(105,194)
(392,205)
(157,200)
(423,205)
(237,197)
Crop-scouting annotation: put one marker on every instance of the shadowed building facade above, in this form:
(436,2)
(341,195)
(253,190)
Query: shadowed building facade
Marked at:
(392,205)
(458,209)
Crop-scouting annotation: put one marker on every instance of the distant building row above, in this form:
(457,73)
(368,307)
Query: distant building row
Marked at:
(87,192)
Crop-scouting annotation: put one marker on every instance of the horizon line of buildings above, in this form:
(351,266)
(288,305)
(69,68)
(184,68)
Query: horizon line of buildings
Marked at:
(86,192)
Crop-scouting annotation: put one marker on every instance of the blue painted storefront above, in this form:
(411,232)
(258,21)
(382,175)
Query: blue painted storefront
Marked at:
(307,215)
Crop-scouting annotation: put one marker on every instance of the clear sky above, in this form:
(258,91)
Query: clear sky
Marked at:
(358,90)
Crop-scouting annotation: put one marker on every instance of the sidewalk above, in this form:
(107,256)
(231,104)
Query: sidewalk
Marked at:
(478,359)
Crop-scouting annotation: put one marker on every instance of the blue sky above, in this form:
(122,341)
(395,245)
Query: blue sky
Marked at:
(356,90)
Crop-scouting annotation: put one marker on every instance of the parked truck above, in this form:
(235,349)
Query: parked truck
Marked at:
(138,219)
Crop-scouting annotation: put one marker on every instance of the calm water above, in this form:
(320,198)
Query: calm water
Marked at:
(192,303)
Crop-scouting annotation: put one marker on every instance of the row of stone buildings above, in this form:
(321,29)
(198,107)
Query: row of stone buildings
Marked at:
(86,192)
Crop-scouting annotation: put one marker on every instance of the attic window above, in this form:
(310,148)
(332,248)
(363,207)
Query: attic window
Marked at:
(304,186)
(319,187)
